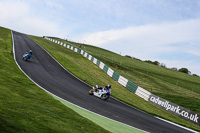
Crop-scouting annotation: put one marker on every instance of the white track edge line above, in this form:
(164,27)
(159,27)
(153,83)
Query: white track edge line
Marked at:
(177,125)
(60,97)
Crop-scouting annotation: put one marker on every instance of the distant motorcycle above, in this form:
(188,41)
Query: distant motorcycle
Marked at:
(103,93)
(27,55)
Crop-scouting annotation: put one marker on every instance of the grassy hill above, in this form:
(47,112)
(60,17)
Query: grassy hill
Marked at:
(24,107)
(86,71)
(180,88)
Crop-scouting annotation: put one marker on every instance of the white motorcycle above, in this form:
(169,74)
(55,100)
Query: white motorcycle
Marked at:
(103,93)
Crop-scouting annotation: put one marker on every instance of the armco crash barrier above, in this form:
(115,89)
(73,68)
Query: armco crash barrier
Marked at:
(146,95)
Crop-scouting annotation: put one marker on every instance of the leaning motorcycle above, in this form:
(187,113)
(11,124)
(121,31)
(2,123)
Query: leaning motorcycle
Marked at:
(103,93)
(26,56)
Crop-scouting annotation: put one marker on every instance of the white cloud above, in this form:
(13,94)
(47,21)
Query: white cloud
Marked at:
(12,10)
(19,16)
(194,52)
(153,34)
(53,4)
(154,37)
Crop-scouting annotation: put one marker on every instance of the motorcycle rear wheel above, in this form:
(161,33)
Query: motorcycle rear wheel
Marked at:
(91,92)
(105,96)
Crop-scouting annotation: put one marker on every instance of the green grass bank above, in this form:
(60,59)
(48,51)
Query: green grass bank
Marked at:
(86,71)
(24,107)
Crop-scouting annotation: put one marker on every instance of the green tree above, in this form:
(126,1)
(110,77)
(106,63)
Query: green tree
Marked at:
(184,70)
(196,75)
(155,62)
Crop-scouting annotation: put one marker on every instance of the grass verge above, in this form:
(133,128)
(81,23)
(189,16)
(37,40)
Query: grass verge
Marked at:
(108,124)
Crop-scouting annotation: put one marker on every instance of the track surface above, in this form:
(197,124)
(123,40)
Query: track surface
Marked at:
(46,72)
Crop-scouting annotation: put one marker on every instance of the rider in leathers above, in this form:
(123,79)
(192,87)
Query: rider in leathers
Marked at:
(99,88)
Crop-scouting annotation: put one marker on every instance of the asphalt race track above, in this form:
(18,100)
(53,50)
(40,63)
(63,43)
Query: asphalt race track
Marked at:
(46,72)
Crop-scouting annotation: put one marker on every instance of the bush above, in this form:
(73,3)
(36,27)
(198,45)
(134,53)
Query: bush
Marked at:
(151,62)
(184,70)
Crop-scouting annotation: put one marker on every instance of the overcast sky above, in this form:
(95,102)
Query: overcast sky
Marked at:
(167,31)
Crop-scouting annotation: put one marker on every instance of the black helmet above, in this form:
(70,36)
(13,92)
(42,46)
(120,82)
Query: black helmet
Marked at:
(109,86)
(30,51)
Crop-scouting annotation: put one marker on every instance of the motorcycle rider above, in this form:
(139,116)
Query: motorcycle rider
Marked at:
(30,51)
(29,54)
(99,88)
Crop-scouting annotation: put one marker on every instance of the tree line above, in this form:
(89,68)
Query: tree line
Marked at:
(183,70)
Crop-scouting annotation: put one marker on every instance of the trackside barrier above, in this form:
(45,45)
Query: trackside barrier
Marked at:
(143,93)
(101,65)
(110,72)
(175,109)
(146,95)
(120,79)
(123,81)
